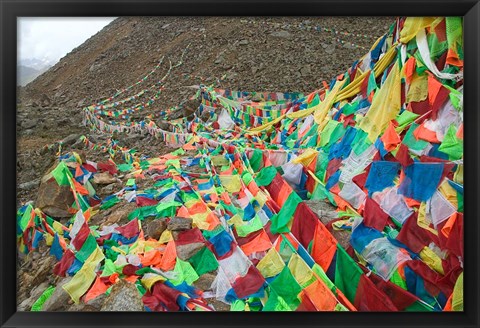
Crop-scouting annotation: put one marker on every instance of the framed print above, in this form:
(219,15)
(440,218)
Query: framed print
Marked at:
(209,163)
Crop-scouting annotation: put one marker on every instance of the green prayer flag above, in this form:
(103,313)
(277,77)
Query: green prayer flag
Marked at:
(315,101)
(276,303)
(361,142)
(340,307)
(247,177)
(347,274)
(253,225)
(322,164)
(411,142)
(178,152)
(348,108)
(109,203)
(266,176)
(142,212)
(163,182)
(451,145)
(405,118)
(23,222)
(398,280)
(87,249)
(203,261)
(256,161)
(319,271)
(372,84)
(144,270)
(167,209)
(321,193)
(238,305)
(460,202)
(47,293)
(125,167)
(185,273)
(327,132)
(281,220)
(419,306)
(109,268)
(286,287)
(60,174)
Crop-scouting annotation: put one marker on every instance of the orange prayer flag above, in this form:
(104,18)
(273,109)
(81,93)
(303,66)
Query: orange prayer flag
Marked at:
(459,134)
(79,188)
(214,197)
(448,226)
(189,146)
(212,221)
(78,171)
(421,132)
(324,246)
(131,279)
(153,257)
(183,212)
(285,191)
(169,156)
(258,244)
(62,243)
(448,305)
(226,198)
(321,296)
(452,59)
(87,214)
(410,69)
(410,201)
(341,204)
(253,188)
(390,138)
(169,257)
(344,300)
(98,288)
(433,88)
(198,207)
(113,278)
(335,189)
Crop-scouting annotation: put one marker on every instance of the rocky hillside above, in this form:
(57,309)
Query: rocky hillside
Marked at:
(252,54)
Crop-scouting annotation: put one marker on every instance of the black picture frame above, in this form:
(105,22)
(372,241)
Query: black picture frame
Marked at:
(10,10)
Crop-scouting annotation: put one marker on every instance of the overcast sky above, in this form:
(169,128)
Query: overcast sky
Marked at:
(50,38)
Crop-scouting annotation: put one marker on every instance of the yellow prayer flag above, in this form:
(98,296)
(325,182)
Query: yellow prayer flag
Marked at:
(301,271)
(149,279)
(423,221)
(418,89)
(84,278)
(412,25)
(457,298)
(306,157)
(385,106)
(271,264)
(166,237)
(431,259)
(231,183)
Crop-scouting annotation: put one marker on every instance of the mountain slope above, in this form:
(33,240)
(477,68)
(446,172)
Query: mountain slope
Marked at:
(252,54)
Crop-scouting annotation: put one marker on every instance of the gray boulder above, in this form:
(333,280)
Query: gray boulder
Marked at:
(123,297)
(178,224)
(59,299)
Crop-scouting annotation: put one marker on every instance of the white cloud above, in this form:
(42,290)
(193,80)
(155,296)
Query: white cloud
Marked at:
(50,38)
